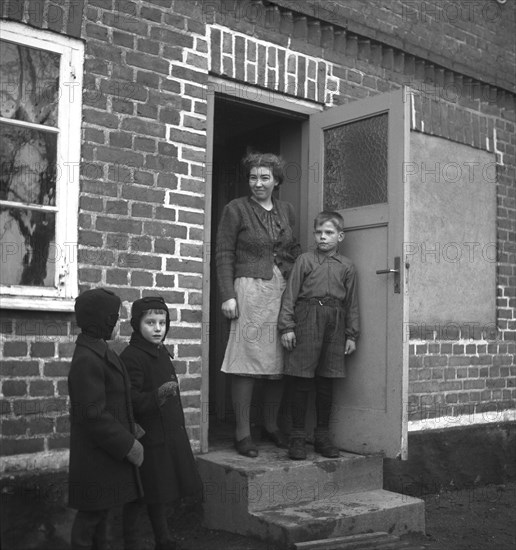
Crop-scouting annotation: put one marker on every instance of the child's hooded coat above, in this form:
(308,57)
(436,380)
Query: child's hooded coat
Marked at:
(102,426)
(168,471)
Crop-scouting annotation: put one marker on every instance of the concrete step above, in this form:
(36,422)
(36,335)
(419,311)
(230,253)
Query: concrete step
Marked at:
(286,502)
(366,541)
(343,515)
(272,479)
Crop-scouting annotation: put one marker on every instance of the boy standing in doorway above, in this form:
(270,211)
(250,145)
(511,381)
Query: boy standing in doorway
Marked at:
(319,326)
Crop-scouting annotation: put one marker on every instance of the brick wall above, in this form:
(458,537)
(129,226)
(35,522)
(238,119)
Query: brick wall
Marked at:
(475,37)
(36,350)
(142,203)
(141,223)
(141,211)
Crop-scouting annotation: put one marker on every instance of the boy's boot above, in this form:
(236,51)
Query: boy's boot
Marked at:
(158,519)
(296,446)
(298,395)
(323,404)
(323,444)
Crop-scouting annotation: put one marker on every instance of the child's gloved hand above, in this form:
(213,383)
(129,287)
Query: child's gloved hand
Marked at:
(166,390)
(288,340)
(135,455)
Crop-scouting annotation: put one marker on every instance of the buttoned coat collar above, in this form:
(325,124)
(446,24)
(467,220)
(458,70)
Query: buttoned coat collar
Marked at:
(138,341)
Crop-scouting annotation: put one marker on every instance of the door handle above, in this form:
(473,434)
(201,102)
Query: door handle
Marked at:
(396,272)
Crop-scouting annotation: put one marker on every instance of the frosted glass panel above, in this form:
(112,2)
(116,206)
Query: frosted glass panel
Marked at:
(355,163)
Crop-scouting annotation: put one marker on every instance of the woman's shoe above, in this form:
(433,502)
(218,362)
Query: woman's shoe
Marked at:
(246,447)
(276,437)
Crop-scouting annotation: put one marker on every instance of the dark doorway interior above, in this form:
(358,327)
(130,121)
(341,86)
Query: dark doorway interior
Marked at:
(239,127)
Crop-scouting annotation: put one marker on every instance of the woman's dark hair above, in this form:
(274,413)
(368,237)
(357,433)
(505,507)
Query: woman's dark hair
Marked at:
(273,162)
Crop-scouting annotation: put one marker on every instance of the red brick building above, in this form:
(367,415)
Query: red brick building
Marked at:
(126,121)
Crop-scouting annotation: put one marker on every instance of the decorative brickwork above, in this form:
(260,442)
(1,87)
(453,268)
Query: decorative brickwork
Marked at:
(58,16)
(470,37)
(264,64)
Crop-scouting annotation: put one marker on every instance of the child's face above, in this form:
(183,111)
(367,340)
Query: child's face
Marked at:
(328,237)
(153,326)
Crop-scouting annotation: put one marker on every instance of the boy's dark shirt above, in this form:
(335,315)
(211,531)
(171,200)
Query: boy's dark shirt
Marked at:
(319,275)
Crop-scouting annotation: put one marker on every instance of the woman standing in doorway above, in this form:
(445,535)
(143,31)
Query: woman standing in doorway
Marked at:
(256,249)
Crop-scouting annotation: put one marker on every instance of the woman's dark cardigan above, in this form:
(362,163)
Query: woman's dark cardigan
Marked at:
(244,247)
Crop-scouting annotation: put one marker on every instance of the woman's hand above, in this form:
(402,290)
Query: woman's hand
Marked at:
(288,340)
(350,347)
(230,308)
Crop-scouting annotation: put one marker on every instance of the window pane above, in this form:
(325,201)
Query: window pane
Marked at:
(355,163)
(27,242)
(27,165)
(30,84)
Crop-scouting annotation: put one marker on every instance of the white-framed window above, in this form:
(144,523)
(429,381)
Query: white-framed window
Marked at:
(40,138)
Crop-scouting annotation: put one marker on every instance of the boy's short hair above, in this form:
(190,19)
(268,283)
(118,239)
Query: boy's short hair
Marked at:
(268,160)
(326,216)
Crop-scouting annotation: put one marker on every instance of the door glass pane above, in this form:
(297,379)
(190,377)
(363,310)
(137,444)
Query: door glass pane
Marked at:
(30,84)
(355,163)
(27,165)
(27,242)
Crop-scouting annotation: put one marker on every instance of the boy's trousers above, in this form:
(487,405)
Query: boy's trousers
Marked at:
(320,340)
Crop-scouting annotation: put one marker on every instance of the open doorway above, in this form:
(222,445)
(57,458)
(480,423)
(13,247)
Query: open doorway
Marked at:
(240,127)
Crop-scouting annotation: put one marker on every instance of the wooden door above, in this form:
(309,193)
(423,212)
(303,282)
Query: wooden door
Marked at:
(356,161)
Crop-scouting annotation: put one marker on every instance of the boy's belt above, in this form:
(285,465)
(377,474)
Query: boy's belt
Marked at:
(327,301)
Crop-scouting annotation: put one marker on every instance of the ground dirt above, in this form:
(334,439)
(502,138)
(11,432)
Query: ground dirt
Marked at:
(480,518)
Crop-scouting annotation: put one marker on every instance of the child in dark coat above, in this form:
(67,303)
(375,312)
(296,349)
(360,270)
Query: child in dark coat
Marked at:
(104,451)
(169,472)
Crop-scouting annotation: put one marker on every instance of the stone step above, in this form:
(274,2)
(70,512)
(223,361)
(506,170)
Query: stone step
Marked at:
(272,479)
(342,515)
(365,541)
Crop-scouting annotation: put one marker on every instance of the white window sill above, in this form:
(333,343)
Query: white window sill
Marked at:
(37,303)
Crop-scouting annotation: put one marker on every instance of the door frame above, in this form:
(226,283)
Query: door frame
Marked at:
(252,95)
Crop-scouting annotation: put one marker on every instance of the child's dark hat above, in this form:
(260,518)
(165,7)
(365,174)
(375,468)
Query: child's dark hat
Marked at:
(142,305)
(96,312)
